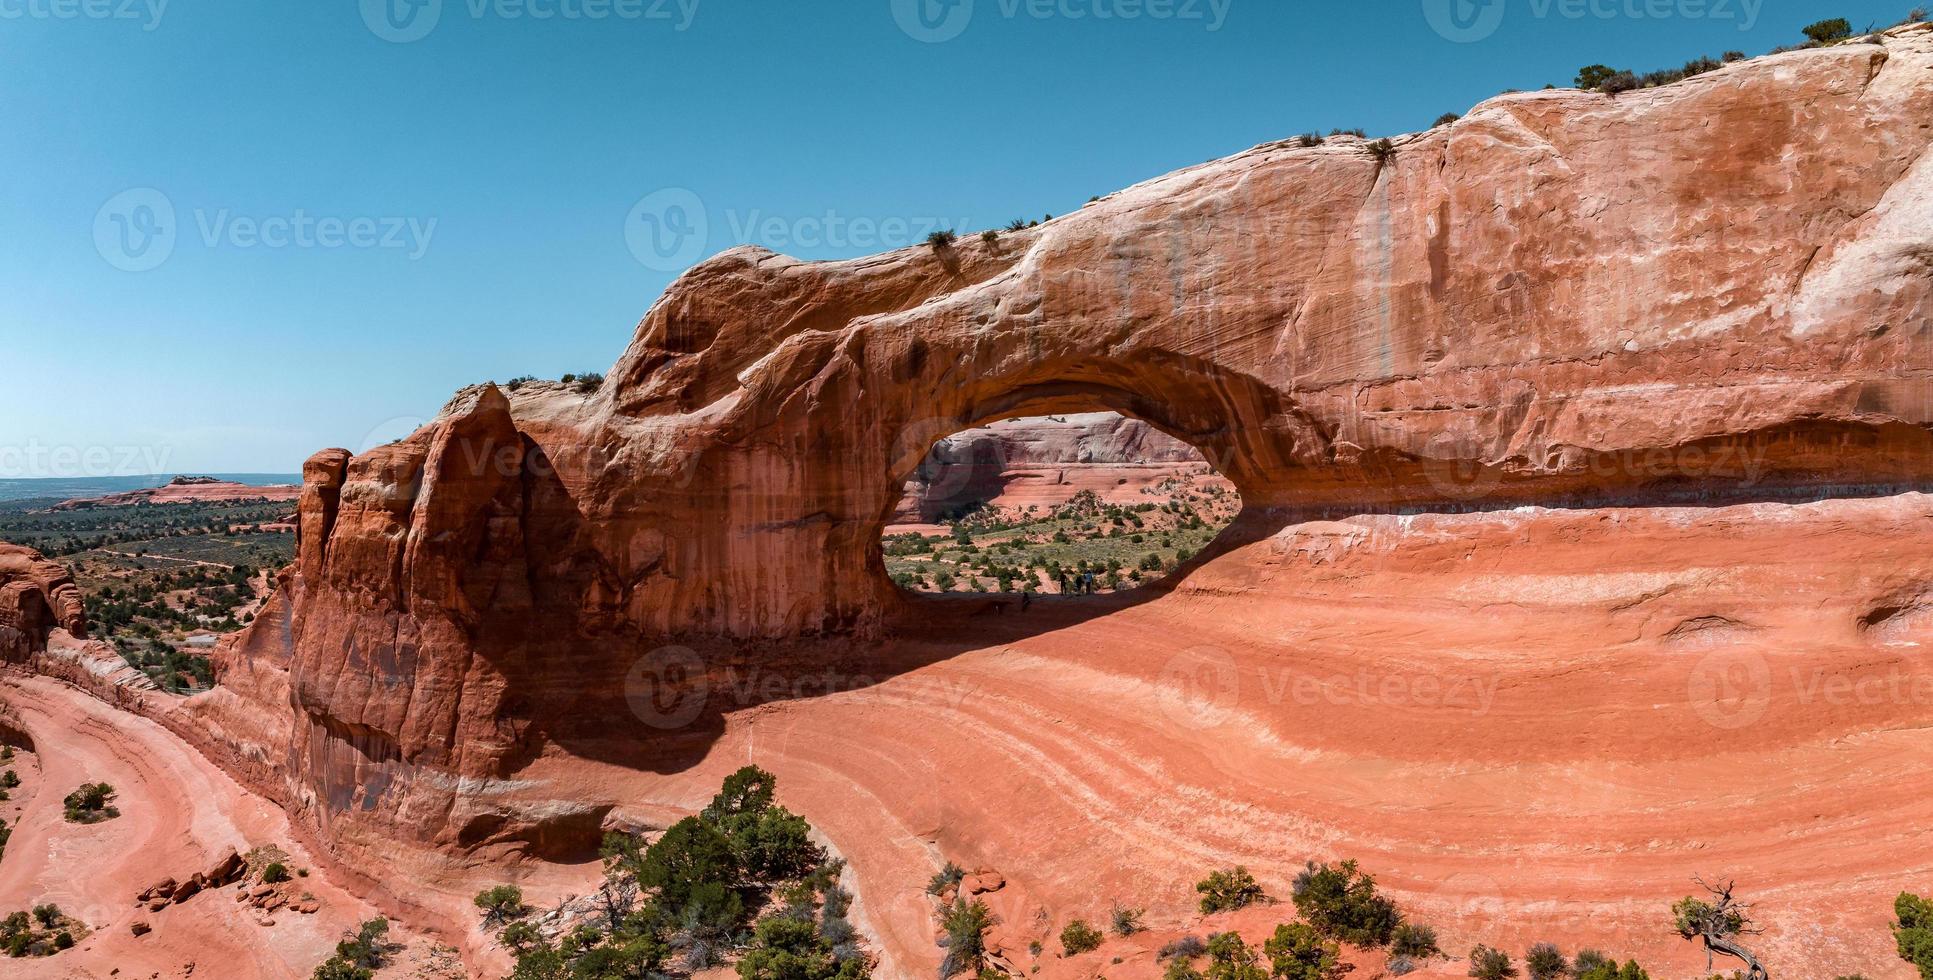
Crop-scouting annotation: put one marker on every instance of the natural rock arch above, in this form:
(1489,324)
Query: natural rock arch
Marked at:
(1506,301)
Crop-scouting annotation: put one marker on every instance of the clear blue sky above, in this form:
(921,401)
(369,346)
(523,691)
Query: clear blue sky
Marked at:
(529,142)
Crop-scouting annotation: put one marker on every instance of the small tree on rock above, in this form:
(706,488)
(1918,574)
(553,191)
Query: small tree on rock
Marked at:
(1718,924)
(1827,31)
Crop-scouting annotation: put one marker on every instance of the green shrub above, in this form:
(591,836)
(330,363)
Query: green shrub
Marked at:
(1620,83)
(47,915)
(1699,66)
(1226,891)
(1383,150)
(1298,952)
(1913,932)
(90,804)
(358,956)
(965,924)
(1186,948)
(1590,959)
(1490,964)
(1594,76)
(1827,31)
(501,904)
(789,949)
(9,779)
(275,873)
(1340,901)
(947,877)
(691,854)
(990,237)
(1414,940)
(1181,970)
(1447,118)
(1078,938)
(1229,958)
(1545,961)
(1608,970)
(1126,921)
(940,241)
(586,383)
(1309,139)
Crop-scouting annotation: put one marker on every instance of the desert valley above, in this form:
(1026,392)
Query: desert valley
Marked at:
(1499,550)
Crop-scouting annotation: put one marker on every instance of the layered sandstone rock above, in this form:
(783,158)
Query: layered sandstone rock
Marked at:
(1718,290)
(1015,463)
(1714,292)
(37,597)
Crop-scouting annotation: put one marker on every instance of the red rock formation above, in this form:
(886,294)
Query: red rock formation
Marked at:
(1717,291)
(1044,462)
(36,597)
(187,490)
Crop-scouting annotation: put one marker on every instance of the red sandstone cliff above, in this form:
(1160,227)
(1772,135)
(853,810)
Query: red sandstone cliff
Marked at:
(1717,291)
(1537,303)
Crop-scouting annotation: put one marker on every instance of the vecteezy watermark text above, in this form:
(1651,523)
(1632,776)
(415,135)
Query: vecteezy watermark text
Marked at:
(36,460)
(1465,21)
(403,21)
(138,230)
(147,13)
(935,21)
(669,230)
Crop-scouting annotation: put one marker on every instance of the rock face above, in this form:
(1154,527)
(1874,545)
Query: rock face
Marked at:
(37,597)
(1715,292)
(1046,460)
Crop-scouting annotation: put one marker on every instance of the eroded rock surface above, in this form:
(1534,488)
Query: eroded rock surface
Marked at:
(1717,292)
(1044,462)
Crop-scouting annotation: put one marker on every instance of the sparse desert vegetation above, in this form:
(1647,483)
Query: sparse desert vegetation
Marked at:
(160,581)
(1084,546)
(42,931)
(740,882)
(92,803)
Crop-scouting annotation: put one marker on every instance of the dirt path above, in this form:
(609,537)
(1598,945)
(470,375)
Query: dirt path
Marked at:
(178,815)
(184,561)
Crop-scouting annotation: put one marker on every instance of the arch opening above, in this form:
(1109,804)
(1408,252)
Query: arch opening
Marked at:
(1056,507)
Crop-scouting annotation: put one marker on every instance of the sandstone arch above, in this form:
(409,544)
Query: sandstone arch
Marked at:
(1523,301)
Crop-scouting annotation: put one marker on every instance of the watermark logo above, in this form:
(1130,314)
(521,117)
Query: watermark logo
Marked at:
(667,230)
(933,21)
(1464,21)
(135,230)
(401,21)
(1730,689)
(671,229)
(1468,21)
(147,13)
(390,431)
(34,460)
(937,21)
(1198,686)
(138,230)
(1454,465)
(668,687)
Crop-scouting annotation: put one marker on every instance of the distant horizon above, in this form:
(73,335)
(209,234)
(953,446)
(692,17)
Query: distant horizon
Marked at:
(68,487)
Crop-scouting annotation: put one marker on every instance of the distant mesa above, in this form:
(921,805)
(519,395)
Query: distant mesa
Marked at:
(189,490)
